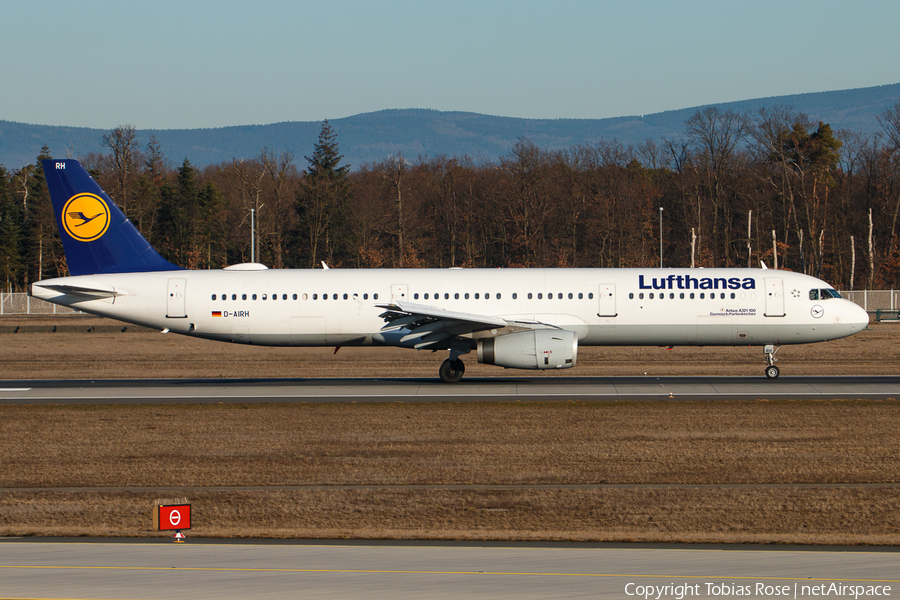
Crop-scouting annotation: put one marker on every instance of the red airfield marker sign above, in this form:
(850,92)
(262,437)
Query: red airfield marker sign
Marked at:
(172,517)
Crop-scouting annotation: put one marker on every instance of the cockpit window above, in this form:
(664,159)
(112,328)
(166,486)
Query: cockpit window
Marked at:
(823,294)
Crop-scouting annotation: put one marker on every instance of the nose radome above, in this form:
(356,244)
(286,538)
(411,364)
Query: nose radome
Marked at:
(859,318)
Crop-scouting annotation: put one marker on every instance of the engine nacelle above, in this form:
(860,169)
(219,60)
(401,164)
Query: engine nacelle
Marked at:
(536,349)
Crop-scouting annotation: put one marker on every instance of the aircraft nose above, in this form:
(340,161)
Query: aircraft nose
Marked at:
(858,317)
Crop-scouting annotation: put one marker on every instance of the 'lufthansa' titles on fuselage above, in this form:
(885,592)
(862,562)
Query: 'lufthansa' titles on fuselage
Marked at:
(688,282)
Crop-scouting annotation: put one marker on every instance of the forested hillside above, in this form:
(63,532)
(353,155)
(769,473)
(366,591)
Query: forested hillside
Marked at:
(733,189)
(370,137)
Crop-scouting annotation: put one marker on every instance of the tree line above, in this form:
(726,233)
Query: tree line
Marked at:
(735,190)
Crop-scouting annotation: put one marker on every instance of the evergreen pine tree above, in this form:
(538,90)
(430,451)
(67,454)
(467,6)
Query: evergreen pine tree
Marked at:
(10,251)
(322,198)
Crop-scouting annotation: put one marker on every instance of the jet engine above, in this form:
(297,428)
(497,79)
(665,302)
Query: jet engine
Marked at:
(536,349)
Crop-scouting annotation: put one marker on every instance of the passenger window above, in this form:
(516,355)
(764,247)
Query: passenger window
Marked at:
(651,295)
(365,296)
(213,296)
(681,296)
(498,296)
(466,296)
(315,296)
(345,296)
(446,296)
(692,295)
(375,296)
(274,296)
(529,295)
(641,296)
(591,296)
(416,296)
(295,296)
(253,296)
(234,296)
(732,295)
(671,295)
(243,296)
(305,297)
(456,296)
(476,295)
(559,296)
(702,295)
(581,295)
(540,296)
(515,295)
(631,295)
(722,295)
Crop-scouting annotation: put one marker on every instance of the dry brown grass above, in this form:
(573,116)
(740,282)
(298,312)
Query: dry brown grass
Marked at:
(727,472)
(145,353)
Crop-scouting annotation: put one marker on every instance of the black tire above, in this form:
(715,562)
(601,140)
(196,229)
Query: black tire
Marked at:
(772,372)
(451,371)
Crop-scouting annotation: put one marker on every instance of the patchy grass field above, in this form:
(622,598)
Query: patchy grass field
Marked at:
(791,472)
(768,472)
(107,353)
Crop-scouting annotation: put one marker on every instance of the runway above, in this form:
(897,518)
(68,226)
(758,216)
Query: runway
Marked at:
(160,569)
(432,390)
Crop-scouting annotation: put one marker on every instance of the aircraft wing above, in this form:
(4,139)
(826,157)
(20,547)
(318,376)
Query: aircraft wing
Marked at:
(431,326)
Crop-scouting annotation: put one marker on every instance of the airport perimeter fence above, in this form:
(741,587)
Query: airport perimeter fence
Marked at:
(23,304)
(883,304)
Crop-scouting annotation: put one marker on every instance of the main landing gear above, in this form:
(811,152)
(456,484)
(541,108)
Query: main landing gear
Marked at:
(772,371)
(451,371)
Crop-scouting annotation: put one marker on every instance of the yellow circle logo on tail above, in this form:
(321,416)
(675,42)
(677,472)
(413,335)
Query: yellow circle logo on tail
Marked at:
(85,217)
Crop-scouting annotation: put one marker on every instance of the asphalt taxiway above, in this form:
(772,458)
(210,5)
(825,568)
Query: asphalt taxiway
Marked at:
(432,390)
(160,569)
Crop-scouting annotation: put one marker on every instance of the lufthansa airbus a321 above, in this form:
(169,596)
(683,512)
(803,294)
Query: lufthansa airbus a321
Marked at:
(514,318)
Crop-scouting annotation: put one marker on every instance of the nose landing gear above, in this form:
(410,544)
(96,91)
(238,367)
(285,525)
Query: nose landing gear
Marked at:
(772,371)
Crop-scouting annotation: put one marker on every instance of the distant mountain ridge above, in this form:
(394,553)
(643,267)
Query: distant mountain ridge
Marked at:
(371,137)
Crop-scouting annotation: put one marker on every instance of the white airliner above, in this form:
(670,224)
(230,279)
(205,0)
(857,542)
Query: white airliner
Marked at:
(514,318)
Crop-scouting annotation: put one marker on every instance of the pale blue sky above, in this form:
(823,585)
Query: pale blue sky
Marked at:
(181,64)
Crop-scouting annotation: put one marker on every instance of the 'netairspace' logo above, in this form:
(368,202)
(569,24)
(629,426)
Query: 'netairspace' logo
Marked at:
(85,217)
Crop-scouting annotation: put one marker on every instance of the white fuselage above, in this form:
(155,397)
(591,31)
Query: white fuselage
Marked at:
(605,307)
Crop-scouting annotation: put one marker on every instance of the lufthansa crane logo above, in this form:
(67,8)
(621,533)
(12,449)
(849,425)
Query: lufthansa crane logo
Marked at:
(85,217)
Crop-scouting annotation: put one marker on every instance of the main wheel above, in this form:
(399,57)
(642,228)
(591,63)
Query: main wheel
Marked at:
(772,372)
(451,371)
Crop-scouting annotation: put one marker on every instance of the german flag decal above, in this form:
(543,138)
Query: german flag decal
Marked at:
(217,313)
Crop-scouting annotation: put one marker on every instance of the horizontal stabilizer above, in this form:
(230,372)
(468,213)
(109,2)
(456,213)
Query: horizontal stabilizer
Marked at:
(74,290)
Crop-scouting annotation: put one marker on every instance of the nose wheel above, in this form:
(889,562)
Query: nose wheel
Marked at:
(451,371)
(772,372)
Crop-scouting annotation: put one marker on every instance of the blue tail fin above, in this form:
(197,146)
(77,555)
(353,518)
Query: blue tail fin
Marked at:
(96,235)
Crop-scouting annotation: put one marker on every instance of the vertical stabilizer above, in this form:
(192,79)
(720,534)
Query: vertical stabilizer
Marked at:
(96,235)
